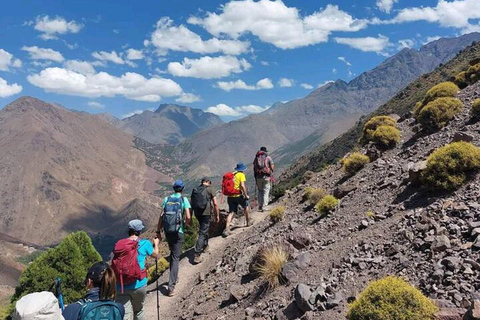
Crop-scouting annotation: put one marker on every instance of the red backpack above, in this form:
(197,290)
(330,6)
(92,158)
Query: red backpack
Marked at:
(260,164)
(228,185)
(125,262)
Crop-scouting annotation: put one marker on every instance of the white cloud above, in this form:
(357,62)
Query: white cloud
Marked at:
(325,83)
(306,86)
(273,22)
(431,39)
(82,67)
(51,28)
(344,60)
(133,54)
(188,98)
(264,63)
(265,83)
(7,61)
(128,115)
(286,83)
(130,85)
(108,56)
(208,67)
(334,71)
(406,43)
(37,53)
(385,5)
(224,110)
(367,44)
(7,90)
(167,37)
(96,105)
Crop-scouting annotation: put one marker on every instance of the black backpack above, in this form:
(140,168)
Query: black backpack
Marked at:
(199,198)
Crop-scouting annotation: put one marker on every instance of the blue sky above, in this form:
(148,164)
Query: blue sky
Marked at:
(228,57)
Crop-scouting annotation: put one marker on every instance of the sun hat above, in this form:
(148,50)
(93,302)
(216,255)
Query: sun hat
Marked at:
(240,167)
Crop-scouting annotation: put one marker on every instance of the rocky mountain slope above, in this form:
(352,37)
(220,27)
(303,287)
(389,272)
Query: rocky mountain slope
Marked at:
(383,225)
(63,171)
(326,112)
(169,124)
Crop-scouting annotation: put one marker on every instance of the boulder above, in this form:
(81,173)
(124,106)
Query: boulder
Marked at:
(441,243)
(415,170)
(450,314)
(342,190)
(462,136)
(302,297)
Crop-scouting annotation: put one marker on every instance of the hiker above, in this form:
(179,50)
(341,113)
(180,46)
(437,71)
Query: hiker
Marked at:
(202,199)
(263,167)
(176,213)
(101,285)
(38,305)
(132,280)
(233,186)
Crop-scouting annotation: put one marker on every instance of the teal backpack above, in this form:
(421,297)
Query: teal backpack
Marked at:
(99,310)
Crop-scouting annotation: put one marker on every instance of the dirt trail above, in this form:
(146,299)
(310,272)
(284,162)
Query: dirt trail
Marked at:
(188,273)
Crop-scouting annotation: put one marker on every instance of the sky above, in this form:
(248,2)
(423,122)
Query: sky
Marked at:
(232,58)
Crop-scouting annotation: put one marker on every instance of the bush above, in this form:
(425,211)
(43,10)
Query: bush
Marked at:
(308,175)
(316,195)
(418,107)
(473,73)
(69,261)
(386,136)
(475,110)
(441,90)
(162,266)
(391,298)
(448,167)
(355,162)
(461,80)
(278,192)
(374,123)
(370,214)
(277,214)
(327,204)
(270,265)
(437,114)
(191,234)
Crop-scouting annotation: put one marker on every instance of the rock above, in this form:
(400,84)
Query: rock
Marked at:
(474,310)
(462,136)
(333,302)
(415,170)
(475,265)
(201,277)
(250,312)
(302,296)
(236,293)
(441,243)
(300,240)
(303,260)
(450,314)
(373,152)
(290,272)
(342,190)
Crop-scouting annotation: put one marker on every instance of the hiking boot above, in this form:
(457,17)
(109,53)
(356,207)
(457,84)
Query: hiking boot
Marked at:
(260,209)
(198,259)
(267,208)
(171,292)
(249,223)
(226,232)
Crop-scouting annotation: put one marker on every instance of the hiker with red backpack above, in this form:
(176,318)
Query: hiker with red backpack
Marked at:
(128,263)
(263,167)
(98,302)
(176,213)
(234,187)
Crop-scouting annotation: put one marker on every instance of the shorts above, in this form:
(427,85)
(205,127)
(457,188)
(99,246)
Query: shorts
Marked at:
(234,202)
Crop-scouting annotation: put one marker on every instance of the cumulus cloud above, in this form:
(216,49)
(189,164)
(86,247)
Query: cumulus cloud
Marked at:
(167,37)
(367,44)
(7,61)
(7,90)
(188,98)
(306,86)
(431,39)
(224,110)
(96,105)
(208,67)
(108,56)
(37,53)
(275,23)
(286,83)
(82,67)
(406,43)
(130,85)
(325,83)
(265,83)
(385,5)
(133,54)
(51,28)
(134,112)
(344,60)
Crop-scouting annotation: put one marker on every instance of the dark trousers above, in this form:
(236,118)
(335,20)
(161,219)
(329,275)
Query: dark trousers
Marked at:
(175,244)
(204,225)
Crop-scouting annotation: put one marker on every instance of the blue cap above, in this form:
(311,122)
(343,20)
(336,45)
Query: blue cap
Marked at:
(240,167)
(178,185)
(136,225)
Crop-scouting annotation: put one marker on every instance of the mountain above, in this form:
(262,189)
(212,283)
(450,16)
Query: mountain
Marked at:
(325,113)
(169,124)
(63,171)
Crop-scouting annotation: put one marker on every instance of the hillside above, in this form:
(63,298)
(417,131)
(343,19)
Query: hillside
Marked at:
(169,124)
(326,112)
(401,103)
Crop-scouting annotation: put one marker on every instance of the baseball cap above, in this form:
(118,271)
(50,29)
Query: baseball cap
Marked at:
(96,271)
(136,225)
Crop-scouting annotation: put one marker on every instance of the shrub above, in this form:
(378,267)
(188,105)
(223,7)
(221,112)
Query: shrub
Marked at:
(270,265)
(307,193)
(277,214)
(441,90)
(308,175)
(327,204)
(316,195)
(374,123)
(437,114)
(418,107)
(448,167)
(475,110)
(162,266)
(355,162)
(370,214)
(473,73)
(278,192)
(386,136)
(191,234)
(461,80)
(391,298)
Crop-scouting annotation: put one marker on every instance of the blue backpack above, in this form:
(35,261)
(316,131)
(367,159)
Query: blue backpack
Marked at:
(172,215)
(99,310)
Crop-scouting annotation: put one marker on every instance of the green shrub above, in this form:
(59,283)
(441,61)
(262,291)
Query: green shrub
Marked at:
(191,235)
(277,214)
(355,162)
(461,80)
(449,167)
(307,193)
(370,214)
(418,107)
(475,110)
(270,265)
(162,266)
(327,204)
(473,73)
(438,113)
(391,298)
(441,90)
(386,136)
(69,260)
(278,192)
(374,123)
(316,195)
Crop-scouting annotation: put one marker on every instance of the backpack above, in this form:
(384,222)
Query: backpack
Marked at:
(199,197)
(99,310)
(37,305)
(228,185)
(172,215)
(125,262)
(260,164)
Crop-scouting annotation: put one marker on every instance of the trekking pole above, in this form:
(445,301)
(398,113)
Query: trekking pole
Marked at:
(58,292)
(158,301)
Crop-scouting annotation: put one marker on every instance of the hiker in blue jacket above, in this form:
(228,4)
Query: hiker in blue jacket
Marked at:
(101,285)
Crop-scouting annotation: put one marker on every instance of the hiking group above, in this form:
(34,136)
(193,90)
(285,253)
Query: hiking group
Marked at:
(117,291)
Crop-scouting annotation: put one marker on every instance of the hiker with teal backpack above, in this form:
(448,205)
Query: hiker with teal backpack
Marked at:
(98,303)
(176,213)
